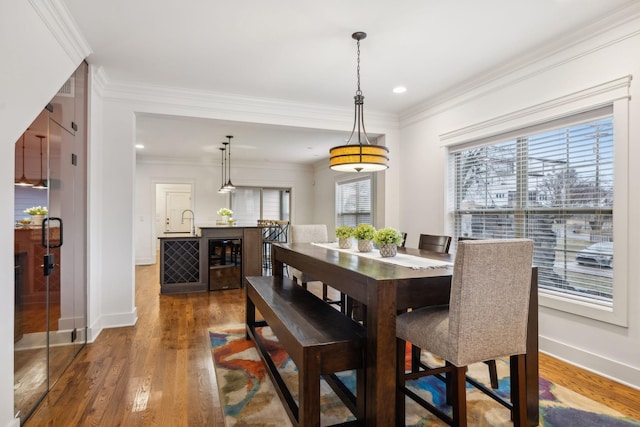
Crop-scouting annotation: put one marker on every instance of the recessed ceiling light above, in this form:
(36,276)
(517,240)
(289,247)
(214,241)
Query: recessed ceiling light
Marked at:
(399,89)
(139,146)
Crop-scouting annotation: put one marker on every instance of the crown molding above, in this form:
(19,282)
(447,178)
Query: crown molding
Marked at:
(197,103)
(65,30)
(212,162)
(584,100)
(534,62)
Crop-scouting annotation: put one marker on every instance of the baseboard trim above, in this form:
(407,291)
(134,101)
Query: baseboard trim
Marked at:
(611,369)
(118,320)
(145,261)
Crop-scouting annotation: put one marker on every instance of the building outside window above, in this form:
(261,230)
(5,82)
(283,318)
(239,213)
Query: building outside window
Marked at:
(558,182)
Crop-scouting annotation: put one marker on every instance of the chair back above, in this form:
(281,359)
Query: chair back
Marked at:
(434,243)
(489,302)
(308,233)
(404,239)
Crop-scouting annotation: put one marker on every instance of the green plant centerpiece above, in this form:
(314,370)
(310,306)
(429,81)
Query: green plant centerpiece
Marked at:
(388,240)
(364,233)
(37,210)
(225,214)
(344,234)
(37,214)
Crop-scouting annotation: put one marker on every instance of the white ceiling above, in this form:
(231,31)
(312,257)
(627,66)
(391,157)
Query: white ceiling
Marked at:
(302,51)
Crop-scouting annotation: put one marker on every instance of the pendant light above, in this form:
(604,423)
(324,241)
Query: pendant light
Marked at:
(360,157)
(23,181)
(41,184)
(229,185)
(222,190)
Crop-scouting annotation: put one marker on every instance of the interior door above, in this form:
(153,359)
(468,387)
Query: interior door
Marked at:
(176,204)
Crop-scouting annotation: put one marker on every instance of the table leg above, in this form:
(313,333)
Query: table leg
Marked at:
(249,313)
(381,355)
(277,266)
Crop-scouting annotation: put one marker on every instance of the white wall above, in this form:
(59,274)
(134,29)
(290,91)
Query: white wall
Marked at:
(611,350)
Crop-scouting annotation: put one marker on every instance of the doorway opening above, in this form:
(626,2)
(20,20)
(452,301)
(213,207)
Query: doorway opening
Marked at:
(173,200)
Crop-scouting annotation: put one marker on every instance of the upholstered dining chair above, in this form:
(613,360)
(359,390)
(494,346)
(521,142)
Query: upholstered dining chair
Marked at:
(434,243)
(404,239)
(486,319)
(431,243)
(311,233)
(493,369)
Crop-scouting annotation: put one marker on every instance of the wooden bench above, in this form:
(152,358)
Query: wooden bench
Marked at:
(319,339)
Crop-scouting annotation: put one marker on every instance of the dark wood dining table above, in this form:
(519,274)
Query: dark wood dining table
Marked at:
(386,288)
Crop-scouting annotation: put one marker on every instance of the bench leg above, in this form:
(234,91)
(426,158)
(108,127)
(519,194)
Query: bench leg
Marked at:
(250,314)
(360,393)
(309,392)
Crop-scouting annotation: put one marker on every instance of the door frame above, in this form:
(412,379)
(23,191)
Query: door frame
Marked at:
(152,209)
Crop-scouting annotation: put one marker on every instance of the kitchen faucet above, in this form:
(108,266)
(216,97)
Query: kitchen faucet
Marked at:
(193,227)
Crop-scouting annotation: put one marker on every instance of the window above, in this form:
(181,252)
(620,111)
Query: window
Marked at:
(354,202)
(558,182)
(249,204)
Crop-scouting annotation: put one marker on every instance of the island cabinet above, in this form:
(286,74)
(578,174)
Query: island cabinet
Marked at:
(220,258)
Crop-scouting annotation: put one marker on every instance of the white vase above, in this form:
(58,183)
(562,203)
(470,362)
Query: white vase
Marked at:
(344,242)
(365,245)
(388,250)
(37,219)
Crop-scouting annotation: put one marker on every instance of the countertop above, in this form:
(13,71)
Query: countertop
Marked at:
(181,236)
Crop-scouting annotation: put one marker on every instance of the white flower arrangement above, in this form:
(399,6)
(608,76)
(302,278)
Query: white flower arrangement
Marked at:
(225,212)
(37,210)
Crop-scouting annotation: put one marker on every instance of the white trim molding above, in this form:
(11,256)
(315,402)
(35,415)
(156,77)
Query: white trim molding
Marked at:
(568,105)
(616,371)
(62,26)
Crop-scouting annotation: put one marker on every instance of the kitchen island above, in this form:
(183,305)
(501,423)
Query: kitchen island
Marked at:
(217,257)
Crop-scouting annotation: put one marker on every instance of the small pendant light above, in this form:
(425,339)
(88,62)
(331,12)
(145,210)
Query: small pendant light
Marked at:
(229,185)
(41,184)
(222,190)
(23,181)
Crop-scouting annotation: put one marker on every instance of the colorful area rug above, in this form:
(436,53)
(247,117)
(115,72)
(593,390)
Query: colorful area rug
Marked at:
(249,399)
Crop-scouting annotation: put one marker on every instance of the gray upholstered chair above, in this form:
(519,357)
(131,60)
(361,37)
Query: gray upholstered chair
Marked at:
(486,319)
(434,243)
(493,369)
(310,233)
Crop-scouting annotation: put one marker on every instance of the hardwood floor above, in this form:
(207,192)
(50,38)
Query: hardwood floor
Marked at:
(160,371)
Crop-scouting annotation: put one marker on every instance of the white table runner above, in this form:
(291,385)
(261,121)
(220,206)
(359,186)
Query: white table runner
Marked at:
(404,260)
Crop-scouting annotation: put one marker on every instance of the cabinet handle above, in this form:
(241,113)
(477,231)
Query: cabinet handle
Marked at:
(45,243)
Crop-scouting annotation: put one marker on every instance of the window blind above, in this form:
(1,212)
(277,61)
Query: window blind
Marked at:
(249,204)
(553,185)
(354,205)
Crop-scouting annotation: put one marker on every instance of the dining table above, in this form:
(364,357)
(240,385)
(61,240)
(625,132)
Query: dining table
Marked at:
(417,278)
